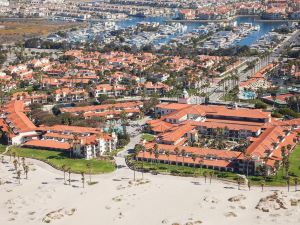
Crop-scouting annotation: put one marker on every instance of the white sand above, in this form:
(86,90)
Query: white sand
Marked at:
(160,200)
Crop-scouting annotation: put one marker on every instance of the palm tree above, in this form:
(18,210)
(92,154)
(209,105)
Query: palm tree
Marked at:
(69,172)
(249,184)
(194,157)
(26,170)
(71,143)
(14,155)
(287,166)
(124,118)
(19,176)
(23,161)
(296,181)
(239,182)
(262,184)
(276,166)
(201,163)
(288,181)
(156,155)
(82,179)
(183,153)
(89,167)
(151,152)
(15,162)
(248,158)
(64,168)
(211,173)
(176,150)
(168,155)
(10,154)
(155,147)
(142,149)
(289,147)
(205,175)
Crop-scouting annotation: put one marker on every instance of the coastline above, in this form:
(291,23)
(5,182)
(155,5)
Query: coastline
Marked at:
(117,199)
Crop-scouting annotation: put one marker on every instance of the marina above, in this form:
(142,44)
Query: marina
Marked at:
(158,31)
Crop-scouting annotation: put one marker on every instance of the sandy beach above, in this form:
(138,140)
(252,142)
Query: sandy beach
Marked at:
(158,199)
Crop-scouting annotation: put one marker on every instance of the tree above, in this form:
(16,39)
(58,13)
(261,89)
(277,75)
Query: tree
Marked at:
(249,185)
(168,155)
(69,172)
(205,175)
(287,166)
(194,157)
(262,184)
(64,169)
(239,182)
(156,155)
(183,153)
(151,152)
(15,162)
(26,170)
(19,176)
(89,167)
(211,174)
(296,181)
(23,162)
(288,182)
(124,118)
(176,150)
(82,179)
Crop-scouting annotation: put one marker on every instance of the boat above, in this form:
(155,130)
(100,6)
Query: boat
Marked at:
(256,28)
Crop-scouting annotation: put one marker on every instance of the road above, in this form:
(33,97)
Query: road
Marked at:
(217,91)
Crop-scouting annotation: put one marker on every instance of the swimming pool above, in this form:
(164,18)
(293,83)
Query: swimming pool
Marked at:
(246,95)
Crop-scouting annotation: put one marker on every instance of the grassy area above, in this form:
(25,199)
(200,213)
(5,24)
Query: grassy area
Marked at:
(181,170)
(295,162)
(57,159)
(16,30)
(2,148)
(148,137)
(277,180)
(116,151)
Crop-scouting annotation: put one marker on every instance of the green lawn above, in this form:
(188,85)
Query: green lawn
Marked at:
(181,170)
(295,162)
(148,137)
(57,159)
(278,180)
(116,151)
(2,148)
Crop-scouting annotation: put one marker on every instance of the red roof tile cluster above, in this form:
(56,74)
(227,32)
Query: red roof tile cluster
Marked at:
(15,116)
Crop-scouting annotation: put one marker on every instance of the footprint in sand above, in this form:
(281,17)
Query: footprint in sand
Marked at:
(230,214)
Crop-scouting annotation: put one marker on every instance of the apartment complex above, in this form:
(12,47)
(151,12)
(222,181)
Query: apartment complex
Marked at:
(83,142)
(217,137)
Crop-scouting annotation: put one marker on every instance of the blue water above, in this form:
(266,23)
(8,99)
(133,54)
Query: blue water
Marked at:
(247,95)
(265,27)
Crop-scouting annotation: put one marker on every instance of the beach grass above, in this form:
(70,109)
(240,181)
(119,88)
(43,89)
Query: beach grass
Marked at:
(57,159)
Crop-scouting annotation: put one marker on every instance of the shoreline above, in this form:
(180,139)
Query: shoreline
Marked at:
(117,199)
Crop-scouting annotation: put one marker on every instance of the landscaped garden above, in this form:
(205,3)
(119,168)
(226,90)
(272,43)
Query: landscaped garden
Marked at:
(57,159)
(276,180)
